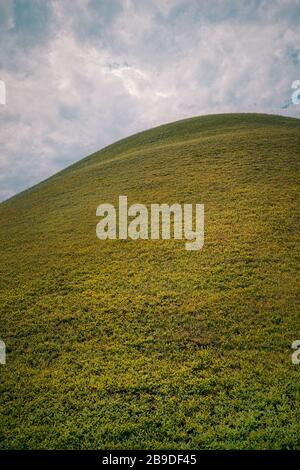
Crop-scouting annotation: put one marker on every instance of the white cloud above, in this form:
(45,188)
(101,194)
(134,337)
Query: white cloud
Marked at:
(6,15)
(82,87)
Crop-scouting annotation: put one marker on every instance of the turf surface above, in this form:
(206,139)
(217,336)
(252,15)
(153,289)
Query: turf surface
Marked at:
(142,344)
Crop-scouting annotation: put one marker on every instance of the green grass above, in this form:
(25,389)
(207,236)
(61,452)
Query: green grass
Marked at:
(142,344)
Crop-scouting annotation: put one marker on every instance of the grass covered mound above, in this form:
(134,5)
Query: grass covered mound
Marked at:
(141,344)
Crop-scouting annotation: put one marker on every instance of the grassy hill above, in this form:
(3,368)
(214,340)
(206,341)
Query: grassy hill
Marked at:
(142,344)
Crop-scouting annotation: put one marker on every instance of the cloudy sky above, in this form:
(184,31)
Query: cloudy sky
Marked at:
(80,74)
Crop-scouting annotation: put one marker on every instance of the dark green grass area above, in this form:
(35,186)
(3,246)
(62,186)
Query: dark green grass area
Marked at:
(142,344)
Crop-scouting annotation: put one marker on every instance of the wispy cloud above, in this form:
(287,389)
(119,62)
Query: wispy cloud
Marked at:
(80,74)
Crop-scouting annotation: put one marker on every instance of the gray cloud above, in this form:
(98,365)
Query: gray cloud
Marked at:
(83,73)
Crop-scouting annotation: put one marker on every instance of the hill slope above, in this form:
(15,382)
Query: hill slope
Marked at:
(141,344)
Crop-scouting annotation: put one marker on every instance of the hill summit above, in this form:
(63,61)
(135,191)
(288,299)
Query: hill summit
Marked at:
(140,343)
